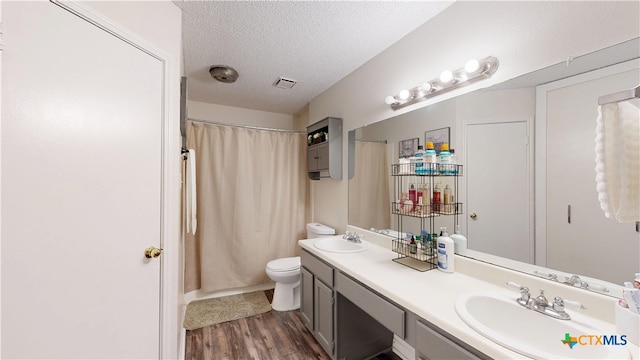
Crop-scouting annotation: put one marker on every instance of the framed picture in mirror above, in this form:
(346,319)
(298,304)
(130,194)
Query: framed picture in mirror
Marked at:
(438,137)
(408,147)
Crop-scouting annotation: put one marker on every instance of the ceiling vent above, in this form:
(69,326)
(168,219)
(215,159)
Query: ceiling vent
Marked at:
(223,73)
(283,83)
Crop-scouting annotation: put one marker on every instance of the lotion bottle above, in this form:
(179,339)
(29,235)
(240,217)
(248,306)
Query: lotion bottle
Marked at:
(445,252)
(459,242)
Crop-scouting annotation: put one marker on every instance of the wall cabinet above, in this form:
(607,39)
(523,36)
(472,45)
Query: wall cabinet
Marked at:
(324,149)
(318,157)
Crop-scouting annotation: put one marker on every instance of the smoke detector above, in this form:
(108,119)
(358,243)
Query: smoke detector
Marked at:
(283,83)
(224,73)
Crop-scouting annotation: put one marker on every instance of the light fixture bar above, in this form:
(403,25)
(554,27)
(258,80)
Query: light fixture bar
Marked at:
(473,71)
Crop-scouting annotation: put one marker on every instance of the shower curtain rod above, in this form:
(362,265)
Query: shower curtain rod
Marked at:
(247,126)
(373,141)
(620,96)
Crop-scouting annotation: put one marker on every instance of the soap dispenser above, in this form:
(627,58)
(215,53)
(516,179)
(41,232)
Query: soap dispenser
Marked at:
(459,241)
(445,252)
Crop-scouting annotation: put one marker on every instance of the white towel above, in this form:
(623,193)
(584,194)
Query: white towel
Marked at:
(190,201)
(618,160)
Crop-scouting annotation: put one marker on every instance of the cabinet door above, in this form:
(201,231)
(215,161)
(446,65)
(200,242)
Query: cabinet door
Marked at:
(312,158)
(323,156)
(323,315)
(430,344)
(306,303)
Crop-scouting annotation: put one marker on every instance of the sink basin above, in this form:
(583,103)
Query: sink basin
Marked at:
(500,319)
(339,245)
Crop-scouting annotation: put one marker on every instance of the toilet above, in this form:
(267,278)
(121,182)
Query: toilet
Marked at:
(285,272)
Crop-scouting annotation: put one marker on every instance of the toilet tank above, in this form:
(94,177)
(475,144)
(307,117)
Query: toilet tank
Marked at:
(315,230)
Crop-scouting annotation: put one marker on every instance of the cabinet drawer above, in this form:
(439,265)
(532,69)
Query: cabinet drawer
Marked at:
(386,313)
(434,345)
(321,270)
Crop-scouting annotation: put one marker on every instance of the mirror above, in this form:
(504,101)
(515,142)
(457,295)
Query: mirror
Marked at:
(371,190)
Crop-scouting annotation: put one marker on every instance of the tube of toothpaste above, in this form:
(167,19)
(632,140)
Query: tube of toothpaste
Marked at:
(631,296)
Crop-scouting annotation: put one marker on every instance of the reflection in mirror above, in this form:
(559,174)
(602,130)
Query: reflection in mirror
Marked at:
(560,248)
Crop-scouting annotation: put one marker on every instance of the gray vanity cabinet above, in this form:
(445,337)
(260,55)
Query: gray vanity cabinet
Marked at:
(323,315)
(317,302)
(306,298)
(352,321)
(432,343)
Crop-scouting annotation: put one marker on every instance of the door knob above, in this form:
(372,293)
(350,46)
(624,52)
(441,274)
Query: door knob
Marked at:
(152,252)
(473,215)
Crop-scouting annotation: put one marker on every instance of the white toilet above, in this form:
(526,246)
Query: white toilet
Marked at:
(285,272)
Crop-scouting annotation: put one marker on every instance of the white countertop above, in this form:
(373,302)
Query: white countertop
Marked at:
(431,294)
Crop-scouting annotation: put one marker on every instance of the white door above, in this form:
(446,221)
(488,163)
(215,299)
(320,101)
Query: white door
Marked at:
(571,111)
(81,189)
(498,195)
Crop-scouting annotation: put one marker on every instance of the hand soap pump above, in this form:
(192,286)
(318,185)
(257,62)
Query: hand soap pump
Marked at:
(445,252)
(459,241)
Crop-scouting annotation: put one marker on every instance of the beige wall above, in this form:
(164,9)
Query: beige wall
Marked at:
(524,36)
(239,116)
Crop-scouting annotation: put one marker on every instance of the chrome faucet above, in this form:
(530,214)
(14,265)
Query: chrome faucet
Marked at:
(353,237)
(575,280)
(542,305)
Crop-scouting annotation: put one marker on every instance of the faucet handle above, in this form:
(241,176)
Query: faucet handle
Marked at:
(524,292)
(575,305)
(515,286)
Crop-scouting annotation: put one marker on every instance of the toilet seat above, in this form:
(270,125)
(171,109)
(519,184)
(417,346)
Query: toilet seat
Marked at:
(284,264)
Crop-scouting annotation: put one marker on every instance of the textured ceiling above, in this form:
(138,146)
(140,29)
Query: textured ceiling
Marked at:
(316,43)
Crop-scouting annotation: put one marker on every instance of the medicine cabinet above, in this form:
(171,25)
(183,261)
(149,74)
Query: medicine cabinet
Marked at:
(324,149)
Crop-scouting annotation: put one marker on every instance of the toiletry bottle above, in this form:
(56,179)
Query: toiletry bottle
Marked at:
(446,199)
(445,252)
(430,159)
(459,242)
(636,281)
(418,161)
(444,160)
(404,165)
(420,197)
(632,296)
(413,246)
(434,243)
(437,197)
(454,162)
(413,196)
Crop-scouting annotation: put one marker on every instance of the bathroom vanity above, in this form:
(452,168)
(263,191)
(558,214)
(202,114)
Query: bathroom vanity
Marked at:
(354,304)
(353,321)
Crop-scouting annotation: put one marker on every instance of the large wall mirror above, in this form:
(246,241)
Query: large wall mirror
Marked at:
(527,148)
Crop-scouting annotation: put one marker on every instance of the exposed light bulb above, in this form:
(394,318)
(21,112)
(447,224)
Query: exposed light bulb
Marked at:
(389,100)
(404,94)
(446,76)
(472,66)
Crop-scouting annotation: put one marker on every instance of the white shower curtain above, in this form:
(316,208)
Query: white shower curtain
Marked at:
(253,204)
(369,200)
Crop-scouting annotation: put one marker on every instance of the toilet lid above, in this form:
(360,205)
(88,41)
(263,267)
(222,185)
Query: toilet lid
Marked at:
(284,264)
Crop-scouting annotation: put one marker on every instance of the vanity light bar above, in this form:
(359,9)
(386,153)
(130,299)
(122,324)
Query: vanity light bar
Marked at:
(473,71)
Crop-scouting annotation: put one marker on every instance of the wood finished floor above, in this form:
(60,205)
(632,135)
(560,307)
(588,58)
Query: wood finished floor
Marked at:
(272,335)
